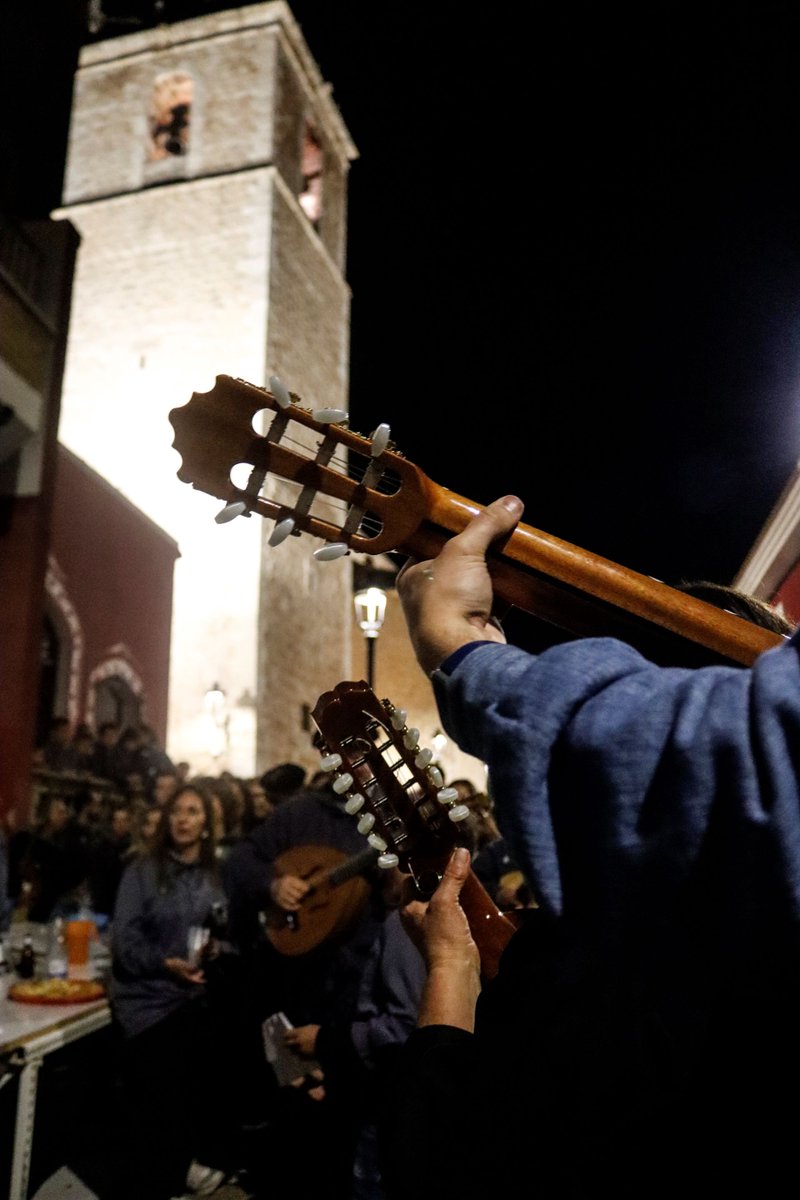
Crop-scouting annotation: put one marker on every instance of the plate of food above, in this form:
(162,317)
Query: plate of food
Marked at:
(56,991)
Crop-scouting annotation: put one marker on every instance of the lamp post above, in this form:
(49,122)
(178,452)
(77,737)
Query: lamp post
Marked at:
(370,606)
(215,706)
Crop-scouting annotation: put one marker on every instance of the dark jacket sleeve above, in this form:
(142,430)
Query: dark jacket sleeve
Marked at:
(135,953)
(432,1117)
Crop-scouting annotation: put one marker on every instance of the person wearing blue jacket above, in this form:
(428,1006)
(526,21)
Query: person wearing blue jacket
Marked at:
(642,1036)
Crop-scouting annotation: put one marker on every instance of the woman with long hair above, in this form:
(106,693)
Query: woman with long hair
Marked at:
(169,902)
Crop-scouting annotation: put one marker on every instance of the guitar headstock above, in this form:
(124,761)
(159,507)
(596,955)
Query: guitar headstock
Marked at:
(391,786)
(355,492)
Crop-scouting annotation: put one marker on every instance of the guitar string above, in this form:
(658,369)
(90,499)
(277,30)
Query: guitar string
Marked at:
(354,469)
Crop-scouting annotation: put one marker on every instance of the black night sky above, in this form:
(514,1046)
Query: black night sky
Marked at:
(574,249)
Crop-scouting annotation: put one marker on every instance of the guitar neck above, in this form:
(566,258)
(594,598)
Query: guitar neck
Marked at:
(367,497)
(586,595)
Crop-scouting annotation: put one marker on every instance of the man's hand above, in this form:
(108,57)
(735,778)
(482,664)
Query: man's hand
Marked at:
(288,891)
(441,930)
(447,601)
(302,1039)
(184,970)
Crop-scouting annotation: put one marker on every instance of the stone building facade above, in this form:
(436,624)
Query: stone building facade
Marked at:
(206,175)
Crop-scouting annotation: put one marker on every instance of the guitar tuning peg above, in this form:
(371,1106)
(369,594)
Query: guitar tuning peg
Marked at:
(447,795)
(331,551)
(279,391)
(436,777)
(236,508)
(423,758)
(376,841)
(380,440)
(411,738)
(398,718)
(331,416)
(456,812)
(387,861)
(342,783)
(281,531)
(354,804)
(365,823)
(330,762)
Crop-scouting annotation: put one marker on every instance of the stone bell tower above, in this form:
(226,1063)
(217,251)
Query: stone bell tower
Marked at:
(206,175)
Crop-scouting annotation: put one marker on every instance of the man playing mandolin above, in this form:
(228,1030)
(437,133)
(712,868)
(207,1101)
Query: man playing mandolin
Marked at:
(310,877)
(645,1018)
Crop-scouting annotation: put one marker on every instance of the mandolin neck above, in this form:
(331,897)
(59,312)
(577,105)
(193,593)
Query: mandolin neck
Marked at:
(359,864)
(490,928)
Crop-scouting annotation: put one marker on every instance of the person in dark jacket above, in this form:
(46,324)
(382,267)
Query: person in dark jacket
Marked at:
(644,1017)
(175,1063)
(45,865)
(267,881)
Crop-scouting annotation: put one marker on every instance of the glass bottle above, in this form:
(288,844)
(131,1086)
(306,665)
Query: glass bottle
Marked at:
(27,959)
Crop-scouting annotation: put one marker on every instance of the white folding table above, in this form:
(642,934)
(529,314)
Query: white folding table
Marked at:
(28,1032)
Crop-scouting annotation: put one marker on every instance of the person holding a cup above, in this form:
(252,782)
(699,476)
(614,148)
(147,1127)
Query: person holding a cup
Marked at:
(173,1052)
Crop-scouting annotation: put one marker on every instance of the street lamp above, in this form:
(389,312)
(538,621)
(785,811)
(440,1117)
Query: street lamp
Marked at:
(370,606)
(215,708)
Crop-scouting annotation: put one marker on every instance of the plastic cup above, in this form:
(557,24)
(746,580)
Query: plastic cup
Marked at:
(78,936)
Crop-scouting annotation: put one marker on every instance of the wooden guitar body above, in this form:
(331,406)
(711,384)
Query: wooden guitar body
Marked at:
(329,909)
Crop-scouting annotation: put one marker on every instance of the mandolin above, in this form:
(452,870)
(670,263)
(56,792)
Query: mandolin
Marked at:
(361,494)
(337,895)
(396,793)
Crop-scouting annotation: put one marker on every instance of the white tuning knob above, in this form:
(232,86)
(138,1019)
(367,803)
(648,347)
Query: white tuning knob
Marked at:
(331,762)
(236,508)
(331,416)
(411,738)
(447,795)
(380,440)
(423,758)
(333,550)
(436,776)
(365,823)
(278,389)
(459,813)
(354,804)
(342,784)
(387,861)
(398,718)
(281,531)
(377,842)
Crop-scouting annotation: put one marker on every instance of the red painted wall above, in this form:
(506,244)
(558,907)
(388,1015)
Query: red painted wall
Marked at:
(117,569)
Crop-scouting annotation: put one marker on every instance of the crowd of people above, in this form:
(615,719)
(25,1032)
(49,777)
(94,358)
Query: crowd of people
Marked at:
(197,878)
(642,828)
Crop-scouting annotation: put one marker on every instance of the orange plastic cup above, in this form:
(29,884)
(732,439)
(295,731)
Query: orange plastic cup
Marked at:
(78,936)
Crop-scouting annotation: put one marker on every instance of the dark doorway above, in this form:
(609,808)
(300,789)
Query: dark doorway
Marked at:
(48,673)
(115,701)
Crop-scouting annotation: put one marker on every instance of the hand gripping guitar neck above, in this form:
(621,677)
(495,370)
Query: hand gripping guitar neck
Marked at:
(361,494)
